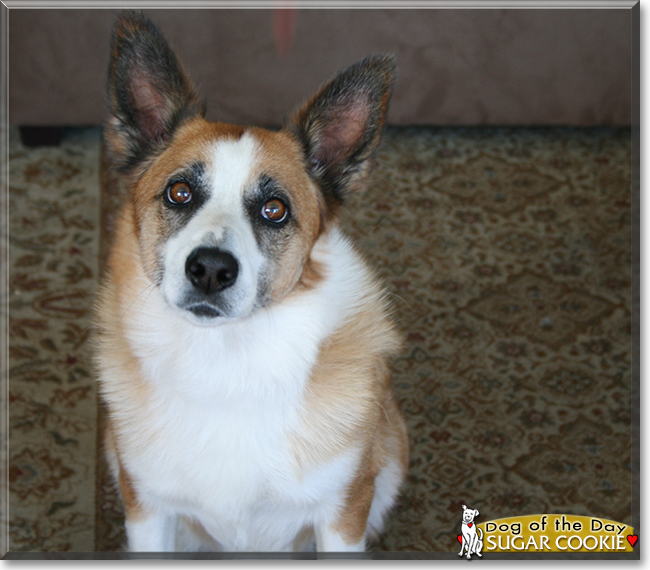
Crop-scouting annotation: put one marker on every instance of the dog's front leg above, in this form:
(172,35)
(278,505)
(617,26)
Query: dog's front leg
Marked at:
(147,529)
(151,532)
(332,539)
(346,531)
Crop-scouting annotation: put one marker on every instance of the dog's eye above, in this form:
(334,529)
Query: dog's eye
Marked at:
(179,193)
(274,211)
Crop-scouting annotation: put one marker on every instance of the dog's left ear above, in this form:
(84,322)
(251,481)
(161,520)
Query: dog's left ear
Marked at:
(340,127)
(475,512)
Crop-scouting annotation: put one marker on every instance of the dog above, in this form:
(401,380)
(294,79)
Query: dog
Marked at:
(472,538)
(243,343)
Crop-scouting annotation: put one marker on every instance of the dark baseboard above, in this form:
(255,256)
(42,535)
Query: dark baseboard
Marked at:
(41,136)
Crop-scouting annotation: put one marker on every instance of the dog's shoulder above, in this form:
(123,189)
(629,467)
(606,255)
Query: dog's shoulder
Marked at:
(349,375)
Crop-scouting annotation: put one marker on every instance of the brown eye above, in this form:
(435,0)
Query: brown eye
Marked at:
(179,193)
(274,211)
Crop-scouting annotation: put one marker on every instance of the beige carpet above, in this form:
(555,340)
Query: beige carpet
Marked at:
(54,231)
(508,256)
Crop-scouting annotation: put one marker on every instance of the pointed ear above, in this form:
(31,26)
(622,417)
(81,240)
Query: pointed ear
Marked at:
(149,93)
(340,126)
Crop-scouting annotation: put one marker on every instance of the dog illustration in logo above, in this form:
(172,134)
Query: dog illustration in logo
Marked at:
(471,538)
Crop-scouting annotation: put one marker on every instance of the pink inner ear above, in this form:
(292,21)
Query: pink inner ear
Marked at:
(344,131)
(150,106)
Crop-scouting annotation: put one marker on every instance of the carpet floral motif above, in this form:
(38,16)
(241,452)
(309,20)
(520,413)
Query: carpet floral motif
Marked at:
(54,206)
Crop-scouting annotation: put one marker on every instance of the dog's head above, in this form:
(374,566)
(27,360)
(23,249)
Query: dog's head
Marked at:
(226,216)
(469,514)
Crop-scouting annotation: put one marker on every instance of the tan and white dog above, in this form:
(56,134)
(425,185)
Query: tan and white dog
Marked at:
(243,343)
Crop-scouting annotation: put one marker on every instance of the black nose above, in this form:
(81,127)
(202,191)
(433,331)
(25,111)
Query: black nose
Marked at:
(211,269)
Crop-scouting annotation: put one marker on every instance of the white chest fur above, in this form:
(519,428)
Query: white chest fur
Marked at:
(224,402)
(231,467)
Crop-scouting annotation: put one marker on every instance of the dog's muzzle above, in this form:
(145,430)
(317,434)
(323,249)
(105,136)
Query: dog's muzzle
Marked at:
(211,270)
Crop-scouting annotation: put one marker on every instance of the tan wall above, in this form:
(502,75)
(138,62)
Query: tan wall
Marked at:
(457,67)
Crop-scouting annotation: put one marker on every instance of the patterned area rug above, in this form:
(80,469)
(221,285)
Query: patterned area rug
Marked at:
(54,231)
(508,256)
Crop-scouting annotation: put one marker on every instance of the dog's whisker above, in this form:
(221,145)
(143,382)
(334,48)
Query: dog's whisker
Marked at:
(151,290)
(385,413)
(375,228)
(146,276)
(400,298)
(136,298)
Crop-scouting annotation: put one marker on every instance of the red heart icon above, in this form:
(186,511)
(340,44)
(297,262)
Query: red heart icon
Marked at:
(470,525)
(460,538)
(632,538)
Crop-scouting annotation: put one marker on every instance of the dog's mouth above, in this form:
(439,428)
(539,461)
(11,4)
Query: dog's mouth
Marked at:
(204,311)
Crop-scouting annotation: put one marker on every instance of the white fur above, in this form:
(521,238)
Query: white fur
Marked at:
(220,221)
(270,352)
(387,486)
(225,399)
(156,533)
(331,541)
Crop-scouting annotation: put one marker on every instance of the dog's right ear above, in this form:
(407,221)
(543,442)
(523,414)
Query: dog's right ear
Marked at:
(149,93)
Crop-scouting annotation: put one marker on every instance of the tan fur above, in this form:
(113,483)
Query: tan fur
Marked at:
(348,404)
(123,390)
(280,157)
(345,387)
(132,506)
(352,521)
(391,441)
(350,393)
(311,276)
(190,143)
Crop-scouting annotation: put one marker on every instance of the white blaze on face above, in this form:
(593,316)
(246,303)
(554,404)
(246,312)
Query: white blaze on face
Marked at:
(220,222)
